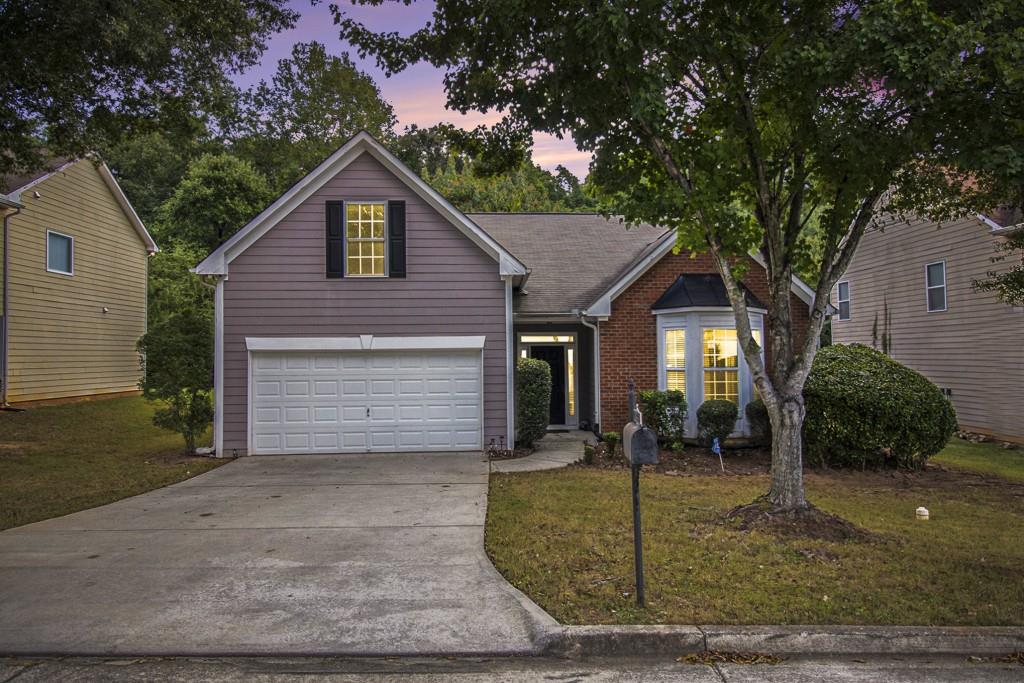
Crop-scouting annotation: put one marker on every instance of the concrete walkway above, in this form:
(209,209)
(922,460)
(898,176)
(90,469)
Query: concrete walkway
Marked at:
(290,555)
(556,449)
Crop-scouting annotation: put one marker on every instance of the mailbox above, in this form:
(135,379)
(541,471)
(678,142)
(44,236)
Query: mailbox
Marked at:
(640,444)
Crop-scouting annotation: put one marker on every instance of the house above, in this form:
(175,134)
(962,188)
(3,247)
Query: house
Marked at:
(74,259)
(361,311)
(909,292)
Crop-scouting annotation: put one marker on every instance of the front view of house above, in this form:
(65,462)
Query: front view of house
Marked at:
(362,312)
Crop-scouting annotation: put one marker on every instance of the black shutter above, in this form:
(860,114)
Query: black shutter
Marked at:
(335,239)
(396,239)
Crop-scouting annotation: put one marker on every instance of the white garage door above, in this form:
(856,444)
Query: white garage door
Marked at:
(358,401)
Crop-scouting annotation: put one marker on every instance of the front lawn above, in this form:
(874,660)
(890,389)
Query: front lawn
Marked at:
(564,537)
(55,460)
(984,458)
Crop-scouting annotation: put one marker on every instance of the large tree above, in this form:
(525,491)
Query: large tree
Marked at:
(740,123)
(314,102)
(79,74)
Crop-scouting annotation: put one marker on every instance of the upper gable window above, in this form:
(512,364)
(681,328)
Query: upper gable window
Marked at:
(843,300)
(60,253)
(365,240)
(935,286)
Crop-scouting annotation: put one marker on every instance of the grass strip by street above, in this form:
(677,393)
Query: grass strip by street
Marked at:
(564,538)
(55,460)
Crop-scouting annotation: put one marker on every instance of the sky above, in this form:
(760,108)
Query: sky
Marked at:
(417,94)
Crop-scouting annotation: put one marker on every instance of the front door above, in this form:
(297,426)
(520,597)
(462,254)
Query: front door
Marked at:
(555,357)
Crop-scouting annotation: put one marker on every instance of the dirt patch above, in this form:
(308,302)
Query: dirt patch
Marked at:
(692,461)
(809,522)
(509,455)
(710,657)
(175,458)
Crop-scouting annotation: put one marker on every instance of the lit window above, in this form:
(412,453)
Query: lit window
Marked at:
(675,360)
(843,299)
(935,286)
(571,378)
(60,253)
(721,365)
(364,240)
(545,338)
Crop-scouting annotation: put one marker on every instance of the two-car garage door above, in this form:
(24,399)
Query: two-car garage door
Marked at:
(358,401)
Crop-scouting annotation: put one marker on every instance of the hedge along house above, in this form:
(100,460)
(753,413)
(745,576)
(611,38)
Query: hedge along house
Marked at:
(361,312)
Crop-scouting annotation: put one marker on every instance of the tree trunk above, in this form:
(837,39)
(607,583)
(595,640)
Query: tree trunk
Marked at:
(787,490)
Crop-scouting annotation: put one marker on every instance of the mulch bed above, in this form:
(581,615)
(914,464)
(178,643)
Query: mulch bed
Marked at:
(694,460)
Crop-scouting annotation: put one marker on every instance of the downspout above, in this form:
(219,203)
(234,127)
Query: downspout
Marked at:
(7,288)
(597,366)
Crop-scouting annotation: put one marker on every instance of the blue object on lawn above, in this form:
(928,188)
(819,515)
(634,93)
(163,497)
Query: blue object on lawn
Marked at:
(715,447)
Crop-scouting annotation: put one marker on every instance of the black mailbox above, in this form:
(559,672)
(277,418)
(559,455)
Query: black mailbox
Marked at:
(640,444)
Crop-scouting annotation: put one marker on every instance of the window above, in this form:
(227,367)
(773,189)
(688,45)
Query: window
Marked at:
(364,240)
(721,365)
(60,253)
(935,286)
(843,299)
(675,360)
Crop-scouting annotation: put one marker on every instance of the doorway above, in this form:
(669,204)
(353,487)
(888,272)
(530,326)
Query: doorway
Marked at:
(559,352)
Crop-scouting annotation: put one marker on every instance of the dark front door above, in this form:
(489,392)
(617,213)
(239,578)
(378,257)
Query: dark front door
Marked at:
(555,357)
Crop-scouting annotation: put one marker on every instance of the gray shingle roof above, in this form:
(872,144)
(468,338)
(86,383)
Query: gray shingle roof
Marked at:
(572,257)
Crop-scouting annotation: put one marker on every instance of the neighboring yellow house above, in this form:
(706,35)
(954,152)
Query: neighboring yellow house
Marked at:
(74,264)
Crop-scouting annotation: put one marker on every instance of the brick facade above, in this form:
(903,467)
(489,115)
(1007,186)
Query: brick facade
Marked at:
(629,341)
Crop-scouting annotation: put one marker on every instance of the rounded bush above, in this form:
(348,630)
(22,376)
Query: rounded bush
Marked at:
(665,413)
(760,423)
(533,400)
(866,410)
(716,419)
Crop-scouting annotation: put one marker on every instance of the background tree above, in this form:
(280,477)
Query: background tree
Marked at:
(80,74)
(1008,283)
(738,123)
(219,194)
(312,105)
(427,150)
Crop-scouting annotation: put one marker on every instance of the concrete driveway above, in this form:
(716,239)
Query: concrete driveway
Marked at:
(314,554)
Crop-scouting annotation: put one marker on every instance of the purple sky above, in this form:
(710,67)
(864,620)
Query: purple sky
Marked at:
(417,94)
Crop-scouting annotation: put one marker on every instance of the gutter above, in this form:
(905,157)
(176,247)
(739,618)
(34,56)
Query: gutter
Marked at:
(6,302)
(597,362)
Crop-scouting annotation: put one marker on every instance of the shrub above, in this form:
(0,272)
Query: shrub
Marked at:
(612,439)
(866,410)
(588,454)
(533,400)
(716,419)
(760,424)
(665,413)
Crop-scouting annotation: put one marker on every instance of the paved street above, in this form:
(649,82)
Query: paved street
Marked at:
(440,670)
(284,555)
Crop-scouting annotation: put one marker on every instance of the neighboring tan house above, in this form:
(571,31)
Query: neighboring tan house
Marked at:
(74,261)
(909,292)
(361,311)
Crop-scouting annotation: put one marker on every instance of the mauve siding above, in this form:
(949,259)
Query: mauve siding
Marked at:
(278,288)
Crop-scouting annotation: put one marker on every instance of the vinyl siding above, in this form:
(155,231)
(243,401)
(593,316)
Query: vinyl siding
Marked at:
(278,287)
(973,348)
(61,342)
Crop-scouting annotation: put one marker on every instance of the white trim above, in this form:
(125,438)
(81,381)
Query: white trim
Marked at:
(71,253)
(218,368)
(928,288)
(126,206)
(602,306)
(848,300)
(217,262)
(510,364)
(15,192)
(364,342)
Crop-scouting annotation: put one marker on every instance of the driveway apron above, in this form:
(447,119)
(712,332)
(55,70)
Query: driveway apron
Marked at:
(314,554)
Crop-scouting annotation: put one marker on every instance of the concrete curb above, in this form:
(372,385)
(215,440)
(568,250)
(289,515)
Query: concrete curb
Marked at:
(631,641)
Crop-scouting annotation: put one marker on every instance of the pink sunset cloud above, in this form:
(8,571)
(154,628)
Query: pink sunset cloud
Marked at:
(417,94)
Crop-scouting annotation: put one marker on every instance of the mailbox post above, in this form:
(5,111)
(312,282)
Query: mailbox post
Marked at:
(640,444)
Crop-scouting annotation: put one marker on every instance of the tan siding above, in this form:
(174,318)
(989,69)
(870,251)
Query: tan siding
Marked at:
(278,287)
(62,344)
(973,348)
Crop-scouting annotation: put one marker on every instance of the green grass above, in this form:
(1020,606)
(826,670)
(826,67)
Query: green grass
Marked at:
(55,460)
(983,458)
(564,537)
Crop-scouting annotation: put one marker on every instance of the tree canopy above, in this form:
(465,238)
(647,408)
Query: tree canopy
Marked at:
(76,75)
(740,125)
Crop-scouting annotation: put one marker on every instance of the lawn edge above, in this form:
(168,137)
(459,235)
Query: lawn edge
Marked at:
(660,640)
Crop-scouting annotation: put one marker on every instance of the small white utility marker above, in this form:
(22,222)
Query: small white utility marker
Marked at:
(922,513)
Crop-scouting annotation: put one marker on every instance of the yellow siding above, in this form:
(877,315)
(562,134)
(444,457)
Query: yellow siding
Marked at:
(61,342)
(973,348)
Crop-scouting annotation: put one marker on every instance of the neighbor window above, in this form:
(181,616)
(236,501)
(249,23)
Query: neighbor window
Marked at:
(935,285)
(364,240)
(675,360)
(60,253)
(721,365)
(843,300)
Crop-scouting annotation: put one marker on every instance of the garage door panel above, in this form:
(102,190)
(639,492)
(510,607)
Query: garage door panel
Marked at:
(356,401)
